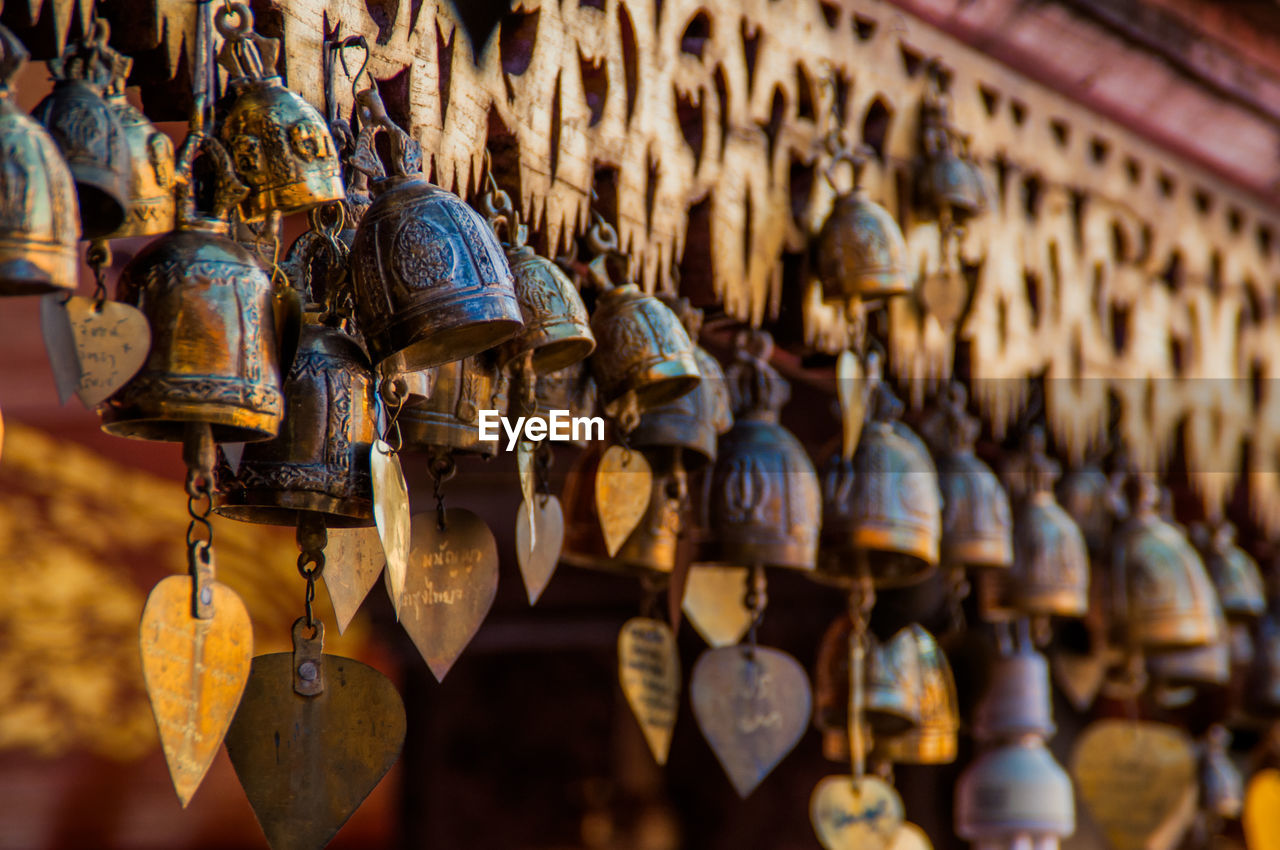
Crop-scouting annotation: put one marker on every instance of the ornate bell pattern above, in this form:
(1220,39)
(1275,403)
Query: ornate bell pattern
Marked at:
(642,347)
(213,357)
(764,490)
(860,251)
(39,216)
(151,203)
(444,404)
(279,143)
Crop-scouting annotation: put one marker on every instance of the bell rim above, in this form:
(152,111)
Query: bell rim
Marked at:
(435,346)
(923,746)
(165,422)
(292,197)
(258,507)
(552,350)
(46,279)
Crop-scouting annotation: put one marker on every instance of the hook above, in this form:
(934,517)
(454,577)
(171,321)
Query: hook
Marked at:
(348,43)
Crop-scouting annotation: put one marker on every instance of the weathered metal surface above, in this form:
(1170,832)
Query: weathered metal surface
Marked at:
(649,672)
(195,671)
(539,537)
(391,514)
(713,602)
(353,560)
(623,482)
(862,816)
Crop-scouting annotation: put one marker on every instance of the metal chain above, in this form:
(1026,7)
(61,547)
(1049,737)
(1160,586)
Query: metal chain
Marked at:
(393,392)
(441,469)
(312,538)
(542,459)
(99,259)
(862,598)
(755,600)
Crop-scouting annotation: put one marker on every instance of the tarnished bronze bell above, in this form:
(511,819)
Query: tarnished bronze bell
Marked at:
(1051,564)
(279,143)
(214,357)
(765,496)
(319,463)
(1162,592)
(860,251)
(1235,574)
(151,203)
(444,404)
(88,131)
(935,739)
(39,218)
(692,423)
(432,284)
(650,550)
(1015,796)
(884,506)
(977,524)
(893,703)
(1018,701)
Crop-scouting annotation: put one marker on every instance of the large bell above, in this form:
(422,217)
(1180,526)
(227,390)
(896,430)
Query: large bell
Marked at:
(1162,591)
(319,463)
(977,524)
(88,132)
(280,144)
(1018,701)
(213,357)
(443,409)
(39,218)
(884,506)
(765,494)
(1051,564)
(641,347)
(432,284)
(860,251)
(935,739)
(1197,666)
(694,422)
(1013,797)
(650,550)
(1235,574)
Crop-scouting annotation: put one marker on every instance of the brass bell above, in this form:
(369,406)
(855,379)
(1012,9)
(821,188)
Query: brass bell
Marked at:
(860,250)
(151,205)
(1051,564)
(213,357)
(935,739)
(1015,797)
(693,422)
(442,411)
(977,524)
(279,143)
(884,505)
(765,493)
(88,131)
(650,550)
(319,463)
(894,678)
(949,183)
(39,218)
(432,284)
(1235,574)
(1221,785)
(1162,591)
(1018,702)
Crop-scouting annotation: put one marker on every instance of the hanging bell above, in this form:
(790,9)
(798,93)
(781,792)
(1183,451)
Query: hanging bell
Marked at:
(935,739)
(977,525)
(213,357)
(1235,575)
(765,493)
(571,388)
(1162,591)
(692,423)
(443,409)
(432,284)
(831,689)
(39,218)
(893,704)
(1018,701)
(151,204)
(1088,496)
(949,183)
(1221,785)
(650,550)
(1015,797)
(884,506)
(279,143)
(88,131)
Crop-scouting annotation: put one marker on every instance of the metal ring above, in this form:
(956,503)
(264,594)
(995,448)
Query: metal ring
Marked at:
(244,20)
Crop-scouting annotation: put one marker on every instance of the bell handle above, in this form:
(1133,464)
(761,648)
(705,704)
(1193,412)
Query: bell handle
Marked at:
(406,154)
(228,191)
(245,54)
(856,158)
(13,55)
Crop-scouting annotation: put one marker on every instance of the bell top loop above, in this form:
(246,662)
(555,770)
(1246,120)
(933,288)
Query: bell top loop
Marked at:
(88,60)
(953,429)
(245,54)
(228,191)
(406,154)
(757,390)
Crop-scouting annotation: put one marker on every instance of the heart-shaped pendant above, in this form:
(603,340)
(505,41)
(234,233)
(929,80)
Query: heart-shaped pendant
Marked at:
(713,603)
(391,514)
(306,763)
(112,341)
(539,538)
(852,392)
(1261,805)
(865,816)
(452,581)
(649,670)
(752,705)
(1138,781)
(911,837)
(353,560)
(195,671)
(624,480)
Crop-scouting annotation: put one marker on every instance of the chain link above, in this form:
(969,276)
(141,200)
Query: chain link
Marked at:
(441,469)
(98,257)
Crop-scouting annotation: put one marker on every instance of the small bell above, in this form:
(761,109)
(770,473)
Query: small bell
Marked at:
(1235,575)
(1163,592)
(977,524)
(893,704)
(934,741)
(445,402)
(883,506)
(1018,702)
(39,218)
(1221,785)
(432,284)
(571,388)
(88,131)
(1013,797)
(694,422)
(213,357)
(1087,494)
(151,204)
(765,493)
(949,183)
(279,143)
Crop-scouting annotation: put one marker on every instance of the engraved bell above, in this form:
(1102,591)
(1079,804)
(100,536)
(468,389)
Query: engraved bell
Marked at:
(884,506)
(1162,591)
(650,550)
(88,131)
(692,423)
(935,739)
(39,218)
(893,694)
(977,524)
(432,284)
(1013,797)
(151,204)
(279,143)
(1018,701)
(214,357)
(1050,574)
(765,495)
(1235,574)
(442,411)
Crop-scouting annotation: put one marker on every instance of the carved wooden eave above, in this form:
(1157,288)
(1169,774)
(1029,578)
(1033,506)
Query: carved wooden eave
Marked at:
(1108,265)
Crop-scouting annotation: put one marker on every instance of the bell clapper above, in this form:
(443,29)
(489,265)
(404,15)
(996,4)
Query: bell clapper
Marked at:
(862,598)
